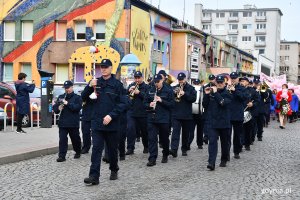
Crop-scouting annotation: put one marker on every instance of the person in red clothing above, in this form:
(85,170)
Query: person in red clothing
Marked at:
(283,98)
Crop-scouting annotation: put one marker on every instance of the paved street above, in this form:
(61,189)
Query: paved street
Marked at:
(271,170)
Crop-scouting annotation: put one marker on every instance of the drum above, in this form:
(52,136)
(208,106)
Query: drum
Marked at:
(195,106)
(247,116)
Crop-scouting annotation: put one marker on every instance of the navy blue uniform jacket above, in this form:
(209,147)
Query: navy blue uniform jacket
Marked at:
(183,109)
(236,106)
(23,101)
(253,96)
(69,117)
(111,101)
(217,107)
(137,108)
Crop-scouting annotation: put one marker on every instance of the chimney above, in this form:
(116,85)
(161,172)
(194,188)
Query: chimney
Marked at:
(198,16)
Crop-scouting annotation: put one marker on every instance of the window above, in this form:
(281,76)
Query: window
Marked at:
(100,30)
(233,26)
(234,14)
(232,39)
(220,26)
(9,31)
(261,13)
(154,44)
(79,73)
(61,31)
(261,51)
(80,30)
(246,38)
(27,30)
(158,45)
(261,26)
(62,72)
(247,26)
(5,91)
(247,14)
(260,38)
(284,68)
(8,72)
(287,47)
(206,15)
(26,68)
(220,15)
(162,47)
(206,27)
(286,58)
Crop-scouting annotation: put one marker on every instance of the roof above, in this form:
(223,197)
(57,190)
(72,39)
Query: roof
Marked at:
(243,10)
(285,41)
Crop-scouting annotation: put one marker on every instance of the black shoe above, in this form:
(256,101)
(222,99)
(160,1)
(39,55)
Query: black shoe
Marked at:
(259,139)
(164,159)
(122,158)
(222,164)
(145,150)
(113,175)
(173,153)
(20,131)
(188,148)
(91,181)
(77,155)
(247,148)
(205,140)
(236,156)
(200,147)
(211,167)
(228,158)
(104,159)
(129,152)
(281,127)
(138,139)
(184,153)
(60,159)
(84,151)
(151,163)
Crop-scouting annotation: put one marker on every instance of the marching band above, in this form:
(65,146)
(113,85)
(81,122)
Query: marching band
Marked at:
(162,114)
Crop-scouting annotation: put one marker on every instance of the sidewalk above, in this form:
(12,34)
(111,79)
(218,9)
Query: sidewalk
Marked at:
(36,142)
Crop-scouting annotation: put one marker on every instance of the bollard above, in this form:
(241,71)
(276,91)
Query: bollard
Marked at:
(12,116)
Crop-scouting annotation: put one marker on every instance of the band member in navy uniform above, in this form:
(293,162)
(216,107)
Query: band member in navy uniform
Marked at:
(68,105)
(198,118)
(184,95)
(237,112)
(110,103)
(86,118)
(249,105)
(260,118)
(159,101)
(216,102)
(137,115)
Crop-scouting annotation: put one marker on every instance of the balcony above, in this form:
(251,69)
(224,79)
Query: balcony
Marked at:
(260,18)
(260,31)
(206,19)
(260,44)
(233,19)
(233,32)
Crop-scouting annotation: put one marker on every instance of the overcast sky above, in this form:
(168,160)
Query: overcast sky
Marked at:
(290,21)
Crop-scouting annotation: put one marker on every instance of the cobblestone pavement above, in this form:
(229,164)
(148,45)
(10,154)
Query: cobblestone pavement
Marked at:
(271,170)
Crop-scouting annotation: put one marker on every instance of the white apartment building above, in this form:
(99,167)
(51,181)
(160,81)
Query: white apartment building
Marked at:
(290,60)
(251,29)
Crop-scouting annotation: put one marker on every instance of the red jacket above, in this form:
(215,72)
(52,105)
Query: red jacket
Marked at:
(278,99)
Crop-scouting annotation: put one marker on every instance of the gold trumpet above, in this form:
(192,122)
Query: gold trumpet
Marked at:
(264,87)
(132,93)
(178,93)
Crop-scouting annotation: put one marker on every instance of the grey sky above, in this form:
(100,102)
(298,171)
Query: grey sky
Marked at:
(290,20)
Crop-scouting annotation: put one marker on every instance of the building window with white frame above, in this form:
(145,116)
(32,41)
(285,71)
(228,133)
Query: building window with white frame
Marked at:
(247,26)
(286,47)
(261,26)
(232,39)
(286,58)
(80,29)
(220,27)
(260,38)
(206,26)
(61,31)
(247,14)
(234,14)
(27,69)
(261,51)
(62,73)
(261,13)
(220,15)
(100,29)
(27,30)
(8,72)
(206,15)
(9,31)
(246,38)
(233,26)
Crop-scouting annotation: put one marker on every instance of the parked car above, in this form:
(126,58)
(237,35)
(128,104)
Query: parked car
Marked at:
(8,95)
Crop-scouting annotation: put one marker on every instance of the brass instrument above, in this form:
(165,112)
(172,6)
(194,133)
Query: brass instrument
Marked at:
(230,88)
(154,100)
(170,79)
(264,87)
(61,102)
(178,93)
(132,93)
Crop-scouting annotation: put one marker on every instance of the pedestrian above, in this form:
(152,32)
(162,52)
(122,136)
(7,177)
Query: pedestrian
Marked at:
(294,106)
(185,95)
(283,108)
(22,100)
(68,106)
(111,101)
(216,102)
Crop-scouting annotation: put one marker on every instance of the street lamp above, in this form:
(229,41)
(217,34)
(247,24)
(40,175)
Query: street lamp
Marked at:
(94,50)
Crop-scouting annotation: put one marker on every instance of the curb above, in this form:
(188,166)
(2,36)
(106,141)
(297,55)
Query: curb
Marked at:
(30,155)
